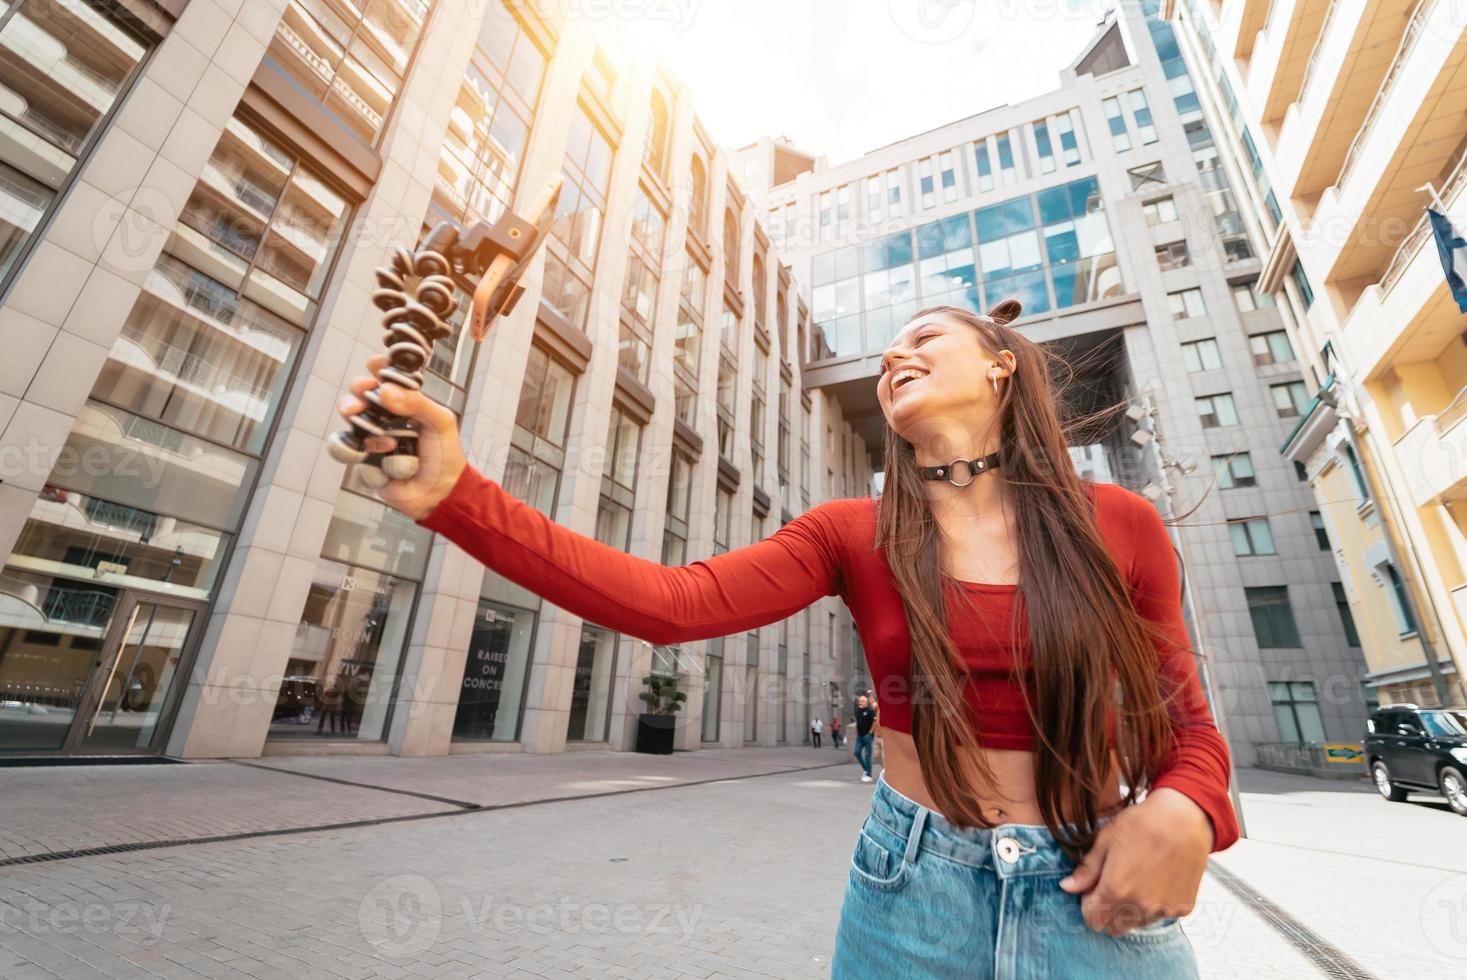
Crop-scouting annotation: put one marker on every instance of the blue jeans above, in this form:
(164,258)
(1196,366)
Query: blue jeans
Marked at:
(863,751)
(928,899)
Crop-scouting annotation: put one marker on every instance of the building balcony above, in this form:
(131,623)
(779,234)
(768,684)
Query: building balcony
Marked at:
(1411,133)
(1276,70)
(1433,455)
(1352,52)
(1409,314)
(1241,21)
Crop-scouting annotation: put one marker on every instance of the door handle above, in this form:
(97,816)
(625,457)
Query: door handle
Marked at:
(122,642)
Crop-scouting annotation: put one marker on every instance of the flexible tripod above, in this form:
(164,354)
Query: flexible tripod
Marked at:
(415,293)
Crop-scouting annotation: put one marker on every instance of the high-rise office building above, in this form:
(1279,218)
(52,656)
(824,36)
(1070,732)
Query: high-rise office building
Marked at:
(1107,208)
(1346,121)
(193,197)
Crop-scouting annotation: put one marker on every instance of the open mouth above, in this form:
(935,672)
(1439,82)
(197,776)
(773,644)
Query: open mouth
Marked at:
(905,377)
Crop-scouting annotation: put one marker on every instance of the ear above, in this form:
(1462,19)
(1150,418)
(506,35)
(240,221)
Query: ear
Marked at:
(1006,312)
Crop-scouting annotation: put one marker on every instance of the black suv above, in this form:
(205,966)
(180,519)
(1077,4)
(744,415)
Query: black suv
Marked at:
(1409,748)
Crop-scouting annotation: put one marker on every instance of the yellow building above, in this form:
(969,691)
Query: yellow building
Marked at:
(1346,119)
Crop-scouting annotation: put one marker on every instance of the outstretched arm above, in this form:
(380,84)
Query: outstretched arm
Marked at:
(742,589)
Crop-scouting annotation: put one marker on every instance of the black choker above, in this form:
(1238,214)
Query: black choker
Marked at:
(972,466)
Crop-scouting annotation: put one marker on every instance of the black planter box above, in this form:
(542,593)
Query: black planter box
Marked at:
(655,733)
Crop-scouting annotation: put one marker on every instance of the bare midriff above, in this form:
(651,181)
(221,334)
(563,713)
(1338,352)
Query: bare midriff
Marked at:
(1012,798)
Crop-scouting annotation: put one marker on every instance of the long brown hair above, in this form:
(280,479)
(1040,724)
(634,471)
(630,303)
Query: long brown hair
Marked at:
(1082,674)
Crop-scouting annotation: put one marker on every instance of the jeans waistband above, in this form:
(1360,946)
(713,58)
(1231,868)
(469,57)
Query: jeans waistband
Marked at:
(1009,850)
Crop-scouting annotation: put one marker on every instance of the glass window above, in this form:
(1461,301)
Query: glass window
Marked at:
(1291,400)
(1296,710)
(590,708)
(1141,114)
(64,65)
(1078,243)
(712,689)
(1400,600)
(1064,125)
(365,531)
(1202,355)
(1248,297)
(72,534)
(1186,303)
(1321,535)
(639,288)
(348,648)
(924,183)
(1270,348)
(688,342)
(1251,536)
(949,177)
(1120,140)
(496,673)
(1007,168)
(1347,619)
(619,480)
(874,196)
(1044,147)
(1217,410)
(1234,470)
(489,125)
(1147,177)
(571,261)
(675,530)
(1173,255)
(1306,292)
(1161,210)
(1273,618)
(985,167)
(894,192)
(655,149)
(351,58)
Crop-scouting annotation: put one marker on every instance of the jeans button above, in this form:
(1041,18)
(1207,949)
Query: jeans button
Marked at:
(1008,849)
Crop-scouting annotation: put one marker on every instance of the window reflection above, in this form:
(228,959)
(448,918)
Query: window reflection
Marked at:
(339,677)
(352,58)
(62,66)
(71,533)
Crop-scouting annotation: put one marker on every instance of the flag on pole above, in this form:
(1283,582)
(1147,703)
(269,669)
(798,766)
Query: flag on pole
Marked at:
(1452,248)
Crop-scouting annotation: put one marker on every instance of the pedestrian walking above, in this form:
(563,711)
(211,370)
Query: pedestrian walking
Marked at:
(1063,834)
(835,732)
(865,719)
(815,731)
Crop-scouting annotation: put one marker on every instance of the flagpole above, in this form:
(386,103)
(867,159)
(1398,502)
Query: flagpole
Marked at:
(1436,198)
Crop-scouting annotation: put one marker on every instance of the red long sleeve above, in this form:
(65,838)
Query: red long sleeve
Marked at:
(743,589)
(1198,764)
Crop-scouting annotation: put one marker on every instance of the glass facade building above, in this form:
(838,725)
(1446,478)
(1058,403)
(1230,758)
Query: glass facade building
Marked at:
(185,571)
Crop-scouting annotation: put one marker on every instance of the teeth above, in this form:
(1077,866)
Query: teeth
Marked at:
(904,376)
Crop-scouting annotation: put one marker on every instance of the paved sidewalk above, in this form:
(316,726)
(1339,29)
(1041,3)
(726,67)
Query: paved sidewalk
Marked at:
(730,864)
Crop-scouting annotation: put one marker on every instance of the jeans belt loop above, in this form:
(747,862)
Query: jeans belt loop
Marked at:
(914,838)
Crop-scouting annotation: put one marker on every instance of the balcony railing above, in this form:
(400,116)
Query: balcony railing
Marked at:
(1448,417)
(1412,243)
(1324,27)
(1413,31)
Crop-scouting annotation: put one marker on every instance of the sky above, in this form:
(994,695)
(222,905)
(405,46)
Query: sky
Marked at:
(843,77)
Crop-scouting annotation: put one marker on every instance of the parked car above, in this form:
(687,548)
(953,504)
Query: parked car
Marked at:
(1414,749)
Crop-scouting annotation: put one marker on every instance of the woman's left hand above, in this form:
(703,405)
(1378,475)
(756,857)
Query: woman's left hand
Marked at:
(1146,864)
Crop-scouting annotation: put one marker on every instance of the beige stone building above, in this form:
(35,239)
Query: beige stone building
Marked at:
(193,197)
(1341,114)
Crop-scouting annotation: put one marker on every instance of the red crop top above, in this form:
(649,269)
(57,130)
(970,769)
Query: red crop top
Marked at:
(830,550)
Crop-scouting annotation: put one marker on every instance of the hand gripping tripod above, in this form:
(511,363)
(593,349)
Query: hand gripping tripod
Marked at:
(415,293)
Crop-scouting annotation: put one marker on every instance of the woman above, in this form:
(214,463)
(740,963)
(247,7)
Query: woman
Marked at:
(1024,637)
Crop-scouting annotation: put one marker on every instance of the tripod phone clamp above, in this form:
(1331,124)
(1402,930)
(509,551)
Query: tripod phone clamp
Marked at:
(416,294)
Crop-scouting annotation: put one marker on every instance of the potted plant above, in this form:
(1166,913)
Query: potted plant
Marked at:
(657,725)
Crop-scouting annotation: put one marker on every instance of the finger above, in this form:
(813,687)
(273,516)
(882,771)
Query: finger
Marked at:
(380,444)
(416,405)
(376,363)
(362,383)
(1087,872)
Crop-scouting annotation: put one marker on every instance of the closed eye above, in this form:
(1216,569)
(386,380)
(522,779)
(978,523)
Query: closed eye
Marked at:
(885,368)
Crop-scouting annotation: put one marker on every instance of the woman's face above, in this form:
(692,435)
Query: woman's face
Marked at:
(936,367)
